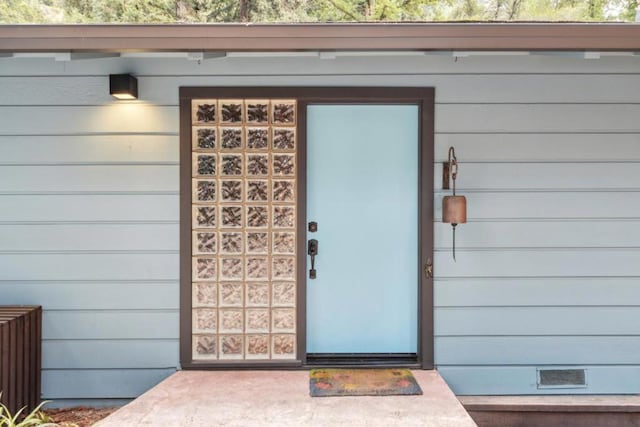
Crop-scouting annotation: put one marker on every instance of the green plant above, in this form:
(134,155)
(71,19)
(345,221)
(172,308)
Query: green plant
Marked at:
(34,418)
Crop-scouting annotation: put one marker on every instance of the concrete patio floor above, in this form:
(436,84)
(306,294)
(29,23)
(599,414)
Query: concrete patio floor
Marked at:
(281,398)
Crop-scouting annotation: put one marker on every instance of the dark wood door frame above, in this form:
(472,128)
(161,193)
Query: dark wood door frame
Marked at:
(420,96)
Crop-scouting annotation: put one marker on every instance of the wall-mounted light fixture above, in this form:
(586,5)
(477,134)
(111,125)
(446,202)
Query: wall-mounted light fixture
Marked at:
(454,208)
(123,86)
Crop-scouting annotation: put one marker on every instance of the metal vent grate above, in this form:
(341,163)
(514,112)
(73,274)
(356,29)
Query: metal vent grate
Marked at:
(565,378)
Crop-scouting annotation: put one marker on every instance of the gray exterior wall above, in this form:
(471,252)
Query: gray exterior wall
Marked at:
(548,270)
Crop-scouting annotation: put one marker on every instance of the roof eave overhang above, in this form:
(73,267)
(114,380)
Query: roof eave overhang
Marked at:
(314,37)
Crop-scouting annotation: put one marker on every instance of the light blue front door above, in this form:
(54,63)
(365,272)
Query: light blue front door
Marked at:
(362,190)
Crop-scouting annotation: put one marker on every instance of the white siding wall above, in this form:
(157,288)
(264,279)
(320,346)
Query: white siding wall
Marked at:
(548,270)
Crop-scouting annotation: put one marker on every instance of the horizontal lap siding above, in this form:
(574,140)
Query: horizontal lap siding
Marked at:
(485,88)
(534,350)
(117,265)
(113,383)
(539,263)
(107,207)
(105,294)
(592,234)
(526,205)
(89,149)
(89,228)
(539,321)
(89,178)
(503,379)
(109,354)
(77,120)
(479,118)
(89,237)
(547,265)
(547,176)
(110,324)
(461,292)
(545,148)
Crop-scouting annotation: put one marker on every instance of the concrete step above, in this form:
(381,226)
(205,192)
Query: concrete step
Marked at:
(281,398)
(543,411)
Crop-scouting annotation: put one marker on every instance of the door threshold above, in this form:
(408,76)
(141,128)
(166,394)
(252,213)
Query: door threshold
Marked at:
(363,360)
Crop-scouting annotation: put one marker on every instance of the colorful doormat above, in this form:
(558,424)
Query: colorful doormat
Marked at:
(362,382)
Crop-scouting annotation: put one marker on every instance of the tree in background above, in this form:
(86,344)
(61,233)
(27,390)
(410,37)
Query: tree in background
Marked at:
(189,11)
(199,11)
(537,10)
(629,9)
(21,11)
(371,10)
(95,11)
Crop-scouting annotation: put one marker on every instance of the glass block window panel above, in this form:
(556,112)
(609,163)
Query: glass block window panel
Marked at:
(231,190)
(231,111)
(283,268)
(257,268)
(205,294)
(257,294)
(204,191)
(204,111)
(283,346)
(204,269)
(204,216)
(283,216)
(205,320)
(231,216)
(283,294)
(231,295)
(257,217)
(231,320)
(205,347)
(231,138)
(205,138)
(257,347)
(257,111)
(231,268)
(231,347)
(257,190)
(257,320)
(257,164)
(283,190)
(257,243)
(231,242)
(204,165)
(283,320)
(231,164)
(284,139)
(284,243)
(283,112)
(205,242)
(284,164)
(257,138)
(243,230)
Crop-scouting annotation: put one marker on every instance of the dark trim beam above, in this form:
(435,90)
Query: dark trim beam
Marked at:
(313,37)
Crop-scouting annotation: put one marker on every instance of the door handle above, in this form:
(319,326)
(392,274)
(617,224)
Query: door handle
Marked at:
(312,250)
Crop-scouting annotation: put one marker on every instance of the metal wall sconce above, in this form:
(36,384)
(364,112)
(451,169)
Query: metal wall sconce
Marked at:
(123,86)
(454,208)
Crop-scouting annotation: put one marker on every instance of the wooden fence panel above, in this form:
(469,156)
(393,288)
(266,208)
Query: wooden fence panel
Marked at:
(20,356)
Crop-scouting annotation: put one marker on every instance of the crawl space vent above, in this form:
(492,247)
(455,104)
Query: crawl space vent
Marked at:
(562,378)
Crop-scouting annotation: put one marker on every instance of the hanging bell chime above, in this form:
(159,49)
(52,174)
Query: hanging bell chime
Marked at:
(454,208)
